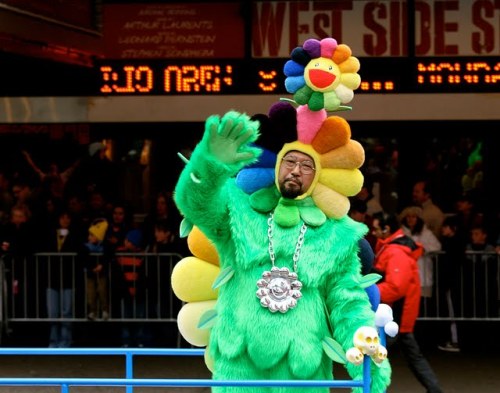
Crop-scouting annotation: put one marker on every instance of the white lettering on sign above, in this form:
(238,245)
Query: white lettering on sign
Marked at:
(379,28)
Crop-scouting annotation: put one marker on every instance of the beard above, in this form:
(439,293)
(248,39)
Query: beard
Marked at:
(290,190)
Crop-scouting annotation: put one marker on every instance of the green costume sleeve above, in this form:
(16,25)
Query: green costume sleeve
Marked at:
(349,310)
(224,149)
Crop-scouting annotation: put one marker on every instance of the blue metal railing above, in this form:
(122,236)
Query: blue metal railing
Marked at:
(129,382)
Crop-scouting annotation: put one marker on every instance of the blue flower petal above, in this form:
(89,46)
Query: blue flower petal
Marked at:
(294,83)
(266,160)
(293,68)
(253,179)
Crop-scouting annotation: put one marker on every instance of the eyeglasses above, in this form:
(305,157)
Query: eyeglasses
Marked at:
(306,167)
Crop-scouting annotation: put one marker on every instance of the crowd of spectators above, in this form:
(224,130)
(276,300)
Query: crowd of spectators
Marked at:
(86,191)
(445,211)
(79,210)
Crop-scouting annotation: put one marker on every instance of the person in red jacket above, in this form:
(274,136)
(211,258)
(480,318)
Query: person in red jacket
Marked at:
(396,258)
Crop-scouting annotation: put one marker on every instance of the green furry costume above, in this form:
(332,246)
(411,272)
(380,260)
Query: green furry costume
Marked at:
(248,341)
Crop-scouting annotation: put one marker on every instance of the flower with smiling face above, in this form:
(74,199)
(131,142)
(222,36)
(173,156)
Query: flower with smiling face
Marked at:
(322,75)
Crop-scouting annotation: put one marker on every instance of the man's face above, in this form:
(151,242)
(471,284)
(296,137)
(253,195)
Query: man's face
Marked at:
(419,195)
(296,173)
(378,231)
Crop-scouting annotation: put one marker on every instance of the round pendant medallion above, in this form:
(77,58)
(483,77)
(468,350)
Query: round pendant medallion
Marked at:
(279,289)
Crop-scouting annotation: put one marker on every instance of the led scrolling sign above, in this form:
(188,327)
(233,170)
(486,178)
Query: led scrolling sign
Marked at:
(265,76)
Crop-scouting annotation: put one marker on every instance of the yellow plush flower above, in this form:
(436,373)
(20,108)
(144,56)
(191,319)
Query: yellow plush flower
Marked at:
(322,74)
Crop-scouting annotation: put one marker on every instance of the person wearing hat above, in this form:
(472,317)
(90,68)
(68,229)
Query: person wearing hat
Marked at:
(290,276)
(291,227)
(413,225)
(96,268)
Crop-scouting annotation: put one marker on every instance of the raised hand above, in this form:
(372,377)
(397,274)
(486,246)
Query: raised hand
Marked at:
(229,135)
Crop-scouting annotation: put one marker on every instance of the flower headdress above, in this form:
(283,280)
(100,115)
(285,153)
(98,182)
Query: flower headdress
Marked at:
(322,76)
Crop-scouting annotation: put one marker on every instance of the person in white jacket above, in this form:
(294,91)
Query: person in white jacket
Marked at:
(413,225)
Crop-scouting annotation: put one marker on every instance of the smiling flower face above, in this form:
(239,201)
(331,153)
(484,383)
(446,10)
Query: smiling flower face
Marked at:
(322,74)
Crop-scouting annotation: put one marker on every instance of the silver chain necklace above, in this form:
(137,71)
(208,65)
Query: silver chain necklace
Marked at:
(279,289)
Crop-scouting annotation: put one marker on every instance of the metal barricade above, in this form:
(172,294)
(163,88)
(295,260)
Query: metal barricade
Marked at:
(130,382)
(474,295)
(25,282)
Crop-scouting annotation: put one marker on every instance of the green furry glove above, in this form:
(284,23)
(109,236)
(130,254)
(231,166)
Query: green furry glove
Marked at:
(229,137)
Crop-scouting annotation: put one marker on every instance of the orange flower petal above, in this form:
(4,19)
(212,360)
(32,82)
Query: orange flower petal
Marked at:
(342,53)
(350,155)
(201,247)
(334,132)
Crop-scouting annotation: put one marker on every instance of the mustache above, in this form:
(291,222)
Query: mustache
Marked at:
(294,178)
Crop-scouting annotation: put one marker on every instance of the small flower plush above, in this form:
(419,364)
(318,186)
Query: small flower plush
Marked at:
(322,74)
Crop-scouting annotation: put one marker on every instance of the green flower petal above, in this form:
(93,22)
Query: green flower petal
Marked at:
(316,102)
(223,277)
(312,216)
(286,213)
(369,279)
(302,95)
(310,213)
(332,101)
(265,199)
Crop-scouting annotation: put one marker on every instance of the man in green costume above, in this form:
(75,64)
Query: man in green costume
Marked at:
(295,271)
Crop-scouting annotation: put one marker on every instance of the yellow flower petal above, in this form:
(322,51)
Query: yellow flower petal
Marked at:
(344,93)
(351,65)
(192,279)
(209,360)
(352,81)
(344,181)
(333,204)
(187,322)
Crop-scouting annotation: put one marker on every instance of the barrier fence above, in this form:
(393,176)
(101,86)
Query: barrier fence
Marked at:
(129,382)
(474,285)
(25,282)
